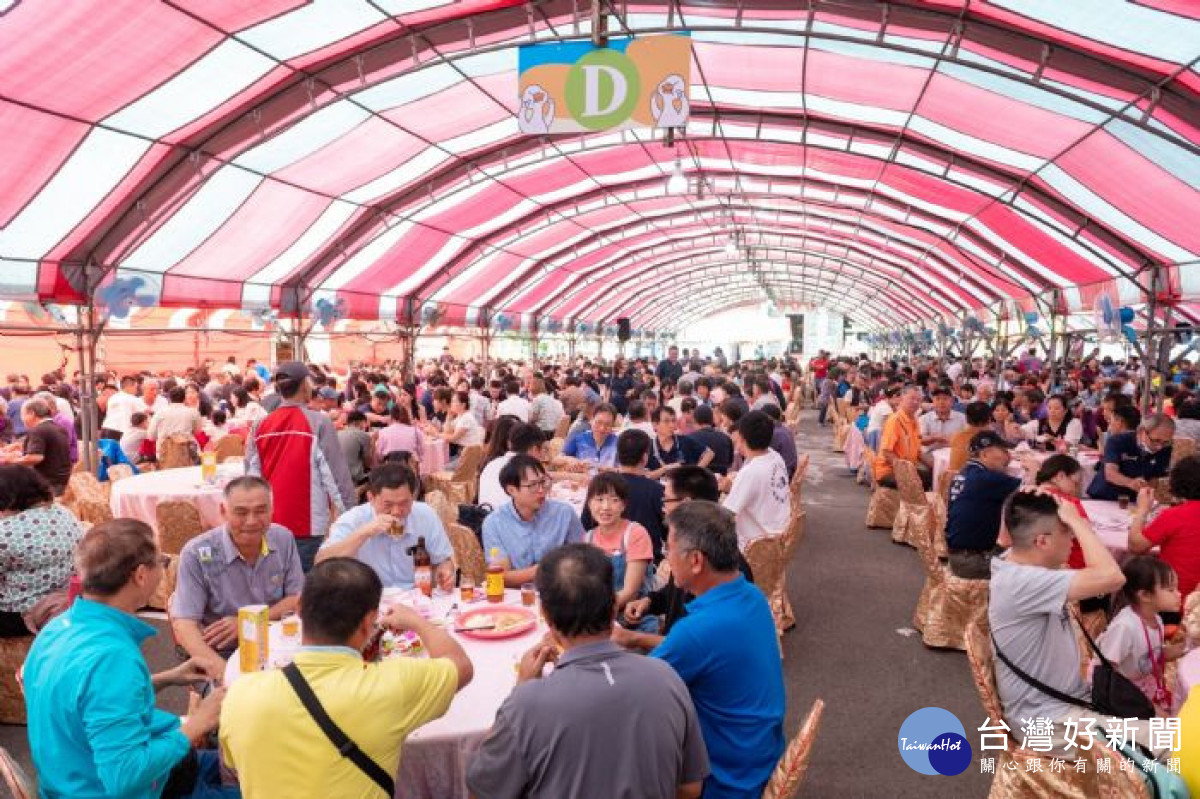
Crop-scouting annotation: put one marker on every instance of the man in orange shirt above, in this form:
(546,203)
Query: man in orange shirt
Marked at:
(979,419)
(902,441)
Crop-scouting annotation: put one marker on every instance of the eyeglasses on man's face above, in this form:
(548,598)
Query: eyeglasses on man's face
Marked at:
(538,485)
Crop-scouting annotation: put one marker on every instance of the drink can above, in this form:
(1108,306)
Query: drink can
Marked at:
(253,647)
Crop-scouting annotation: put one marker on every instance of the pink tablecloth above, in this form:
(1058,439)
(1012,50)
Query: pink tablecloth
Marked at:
(137,497)
(855,445)
(1110,523)
(941,461)
(434,760)
(1189,675)
(435,455)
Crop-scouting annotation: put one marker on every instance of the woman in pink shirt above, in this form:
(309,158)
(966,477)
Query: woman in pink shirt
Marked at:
(400,435)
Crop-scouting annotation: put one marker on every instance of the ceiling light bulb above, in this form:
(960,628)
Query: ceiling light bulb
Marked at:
(731,248)
(677,183)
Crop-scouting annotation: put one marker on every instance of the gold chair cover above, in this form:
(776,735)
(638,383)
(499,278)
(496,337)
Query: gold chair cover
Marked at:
(178,522)
(914,505)
(166,586)
(1022,783)
(82,485)
(467,553)
(765,556)
(789,772)
(881,512)
(93,511)
(865,476)
(447,512)
(119,472)
(460,485)
(1190,623)
(230,446)
(12,699)
(948,603)
(781,605)
(177,452)
(554,446)
(560,429)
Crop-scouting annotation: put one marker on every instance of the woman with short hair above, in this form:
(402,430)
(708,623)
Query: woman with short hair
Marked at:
(37,539)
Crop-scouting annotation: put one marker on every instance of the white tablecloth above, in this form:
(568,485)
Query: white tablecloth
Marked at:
(1087,460)
(570,492)
(137,497)
(1110,523)
(855,444)
(434,759)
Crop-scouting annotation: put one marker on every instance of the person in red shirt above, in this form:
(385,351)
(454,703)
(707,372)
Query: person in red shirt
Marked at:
(818,367)
(1062,476)
(1175,531)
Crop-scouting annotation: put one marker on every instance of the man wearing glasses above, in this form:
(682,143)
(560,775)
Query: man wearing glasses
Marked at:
(682,484)
(94,729)
(1132,459)
(529,526)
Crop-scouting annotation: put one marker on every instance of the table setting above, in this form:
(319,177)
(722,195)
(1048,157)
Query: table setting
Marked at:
(494,636)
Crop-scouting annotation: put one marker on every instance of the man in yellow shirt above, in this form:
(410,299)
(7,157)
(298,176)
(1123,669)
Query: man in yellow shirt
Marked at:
(901,440)
(273,742)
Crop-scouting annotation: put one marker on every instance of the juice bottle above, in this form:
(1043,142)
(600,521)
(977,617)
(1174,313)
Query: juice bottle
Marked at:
(495,577)
(208,467)
(422,568)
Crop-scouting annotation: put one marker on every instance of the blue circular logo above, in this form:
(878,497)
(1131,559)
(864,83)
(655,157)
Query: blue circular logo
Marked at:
(932,741)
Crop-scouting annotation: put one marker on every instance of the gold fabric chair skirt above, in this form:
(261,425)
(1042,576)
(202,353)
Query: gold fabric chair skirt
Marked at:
(881,512)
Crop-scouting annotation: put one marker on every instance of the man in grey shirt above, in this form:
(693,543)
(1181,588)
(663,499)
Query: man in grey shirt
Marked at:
(246,561)
(605,722)
(1029,617)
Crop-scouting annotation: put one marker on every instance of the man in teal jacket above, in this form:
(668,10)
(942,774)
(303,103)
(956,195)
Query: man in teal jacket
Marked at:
(93,728)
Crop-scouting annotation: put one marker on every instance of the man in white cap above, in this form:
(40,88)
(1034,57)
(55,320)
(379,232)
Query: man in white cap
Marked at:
(296,449)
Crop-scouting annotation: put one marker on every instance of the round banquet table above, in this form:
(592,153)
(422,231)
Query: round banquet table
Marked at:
(137,497)
(1087,460)
(572,493)
(1111,524)
(433,763)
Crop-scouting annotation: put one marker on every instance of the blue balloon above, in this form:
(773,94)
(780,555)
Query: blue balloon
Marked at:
(1126,315)
(1031,317)
(1130,334)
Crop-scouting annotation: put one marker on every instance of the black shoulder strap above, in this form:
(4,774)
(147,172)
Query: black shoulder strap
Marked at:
(346,747)
(1038,684)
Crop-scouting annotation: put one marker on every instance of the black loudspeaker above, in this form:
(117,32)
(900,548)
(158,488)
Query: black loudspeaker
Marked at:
(623,329)
(797,320)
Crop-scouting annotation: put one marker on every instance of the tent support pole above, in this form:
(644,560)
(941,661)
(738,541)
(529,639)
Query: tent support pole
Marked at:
(1149,360)
(533,343)
(88,334)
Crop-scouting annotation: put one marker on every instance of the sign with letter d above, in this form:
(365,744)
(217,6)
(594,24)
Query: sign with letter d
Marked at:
(576,87)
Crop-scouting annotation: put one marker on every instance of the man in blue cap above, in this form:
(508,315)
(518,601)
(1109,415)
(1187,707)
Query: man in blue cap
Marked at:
(977,496)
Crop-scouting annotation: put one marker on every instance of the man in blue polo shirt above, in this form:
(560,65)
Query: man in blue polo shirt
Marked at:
(596,446)
(725,649)
(977,496)
(531,525)
(383,531)
(1134,456)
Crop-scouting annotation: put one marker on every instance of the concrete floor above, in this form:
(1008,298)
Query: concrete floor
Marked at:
(853,592)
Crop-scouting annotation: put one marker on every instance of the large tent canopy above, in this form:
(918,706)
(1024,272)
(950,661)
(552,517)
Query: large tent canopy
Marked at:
(898,162)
